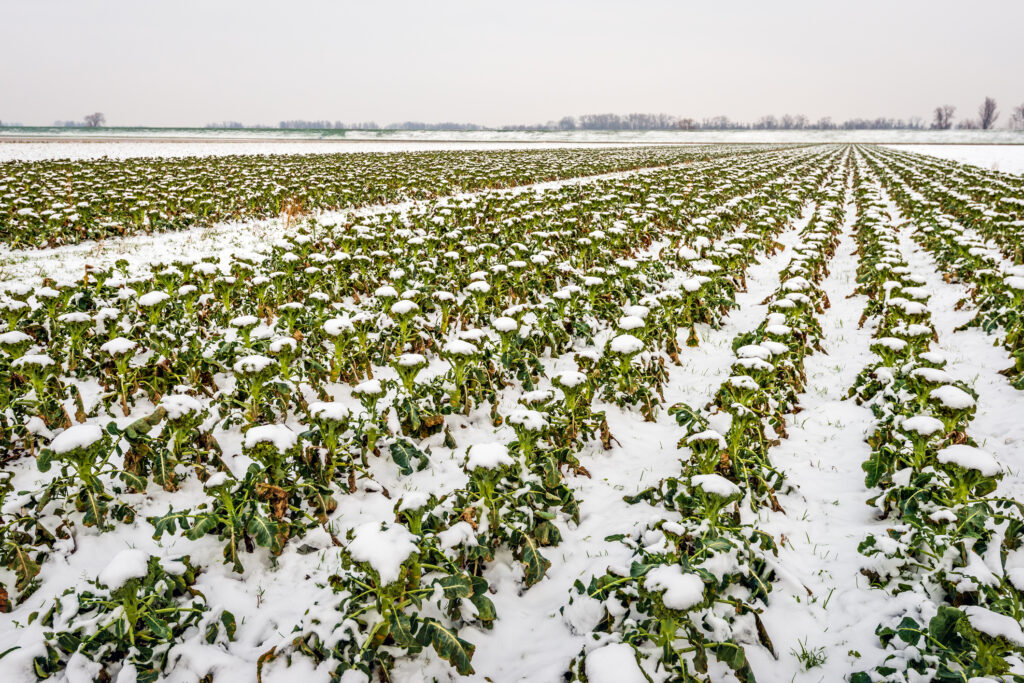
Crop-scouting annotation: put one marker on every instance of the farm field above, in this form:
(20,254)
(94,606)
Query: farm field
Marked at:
(66,201)
(1005,158)
(613,415)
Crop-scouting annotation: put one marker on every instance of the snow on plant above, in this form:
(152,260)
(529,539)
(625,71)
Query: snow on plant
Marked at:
(83,453)
(482,302)
(128,623)
(938,487)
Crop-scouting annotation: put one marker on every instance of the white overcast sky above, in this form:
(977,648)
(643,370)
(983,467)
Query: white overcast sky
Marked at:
(189,62)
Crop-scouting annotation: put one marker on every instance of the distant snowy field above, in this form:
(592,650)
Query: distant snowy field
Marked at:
(127,149)
(1005,158)
(122,143)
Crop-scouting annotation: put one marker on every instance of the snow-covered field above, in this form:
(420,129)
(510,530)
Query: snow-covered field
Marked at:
(126,149)
(527,352)
(77,143)
(1005,158)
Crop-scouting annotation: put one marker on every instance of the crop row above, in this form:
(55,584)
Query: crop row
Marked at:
(341,344)
(996,285)
(701,571)
(50,203)
(951,554)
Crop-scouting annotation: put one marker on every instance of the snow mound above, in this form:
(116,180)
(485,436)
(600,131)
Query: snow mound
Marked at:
(922,425)
(626,344)
(614,663)
(77,436)
(118,346)
(969,458)
(679,591)
(180,405)
(715,485)
(952,397)
(994,624)
(329,410)
(127,565)
(279,436)
(488,456)
(383,547)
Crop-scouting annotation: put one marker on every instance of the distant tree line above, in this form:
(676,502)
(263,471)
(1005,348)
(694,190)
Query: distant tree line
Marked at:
(942,119)
(88,121)
(988,114)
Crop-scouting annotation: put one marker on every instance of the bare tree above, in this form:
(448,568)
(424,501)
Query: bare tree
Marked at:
(1017,118)
(988,113)
(95,120)
(943,117)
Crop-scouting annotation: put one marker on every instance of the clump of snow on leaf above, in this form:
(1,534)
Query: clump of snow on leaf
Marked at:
(614,663)
(127,565)
(383,547)
(679,591)
(180,405)
(715,485)
(279,436)
(969,458)
(488,456)
(923,425)
(77,436)
(626,344)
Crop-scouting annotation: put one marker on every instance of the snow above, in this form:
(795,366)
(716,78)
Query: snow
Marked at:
(715,485)
(505,324)
(180,405)
(982,148)
(14,337)
(332,411)
(477,287)
(370,387)
(933,376)
(404,308)
(487,456)
(459,347)
(707,435)
(413,500)
(384,547)
(119,346)
(337,326)
(216,479)
(530,420)
(39,360)
(679,591)
(1008,158)
(952,397)
(460,533)
(279,436)
(994,624)
(969,458)
(825,516)
(244,321)
(411,360)
(571,378)
(126,565)
(922,425)
(626,344)
(631,322)
(613,663)
(76,436)
(251,365)
(81,669)
(153,298)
